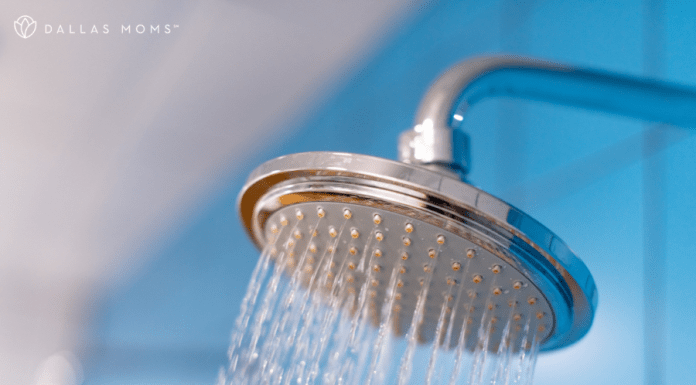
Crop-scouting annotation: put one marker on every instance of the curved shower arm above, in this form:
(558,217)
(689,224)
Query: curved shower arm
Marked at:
(434,141)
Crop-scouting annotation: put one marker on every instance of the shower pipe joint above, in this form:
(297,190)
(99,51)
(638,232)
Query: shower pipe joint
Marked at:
(436,143)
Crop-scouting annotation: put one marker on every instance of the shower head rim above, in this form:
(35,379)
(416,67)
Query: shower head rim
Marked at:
(363,168)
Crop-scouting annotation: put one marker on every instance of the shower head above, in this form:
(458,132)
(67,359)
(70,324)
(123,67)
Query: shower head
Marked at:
(389,228)
(411,239)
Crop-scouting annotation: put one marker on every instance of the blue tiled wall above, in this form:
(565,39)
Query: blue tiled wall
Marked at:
(580,173)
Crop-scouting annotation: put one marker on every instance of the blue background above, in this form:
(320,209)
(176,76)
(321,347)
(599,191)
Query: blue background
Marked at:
(619,192)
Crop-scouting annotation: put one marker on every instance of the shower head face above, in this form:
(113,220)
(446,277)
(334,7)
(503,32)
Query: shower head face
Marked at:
(387,230)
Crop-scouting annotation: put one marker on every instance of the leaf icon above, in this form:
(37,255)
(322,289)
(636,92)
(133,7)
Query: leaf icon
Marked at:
(25,26)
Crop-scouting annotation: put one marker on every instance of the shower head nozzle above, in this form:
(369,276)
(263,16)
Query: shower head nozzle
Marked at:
(391,228)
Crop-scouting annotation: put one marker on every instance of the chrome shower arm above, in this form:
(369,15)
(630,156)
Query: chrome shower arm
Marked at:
(435,142)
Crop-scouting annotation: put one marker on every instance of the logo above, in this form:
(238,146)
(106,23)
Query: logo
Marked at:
(25,26)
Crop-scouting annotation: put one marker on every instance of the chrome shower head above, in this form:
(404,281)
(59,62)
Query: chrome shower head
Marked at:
(410,239)
(378,227)
(411,236)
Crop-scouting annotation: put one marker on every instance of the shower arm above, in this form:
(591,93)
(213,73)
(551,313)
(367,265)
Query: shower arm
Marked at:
(435,142)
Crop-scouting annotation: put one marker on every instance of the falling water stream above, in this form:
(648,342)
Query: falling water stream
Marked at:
(308,319)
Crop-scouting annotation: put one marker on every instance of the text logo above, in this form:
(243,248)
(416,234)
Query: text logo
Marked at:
(25,26)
